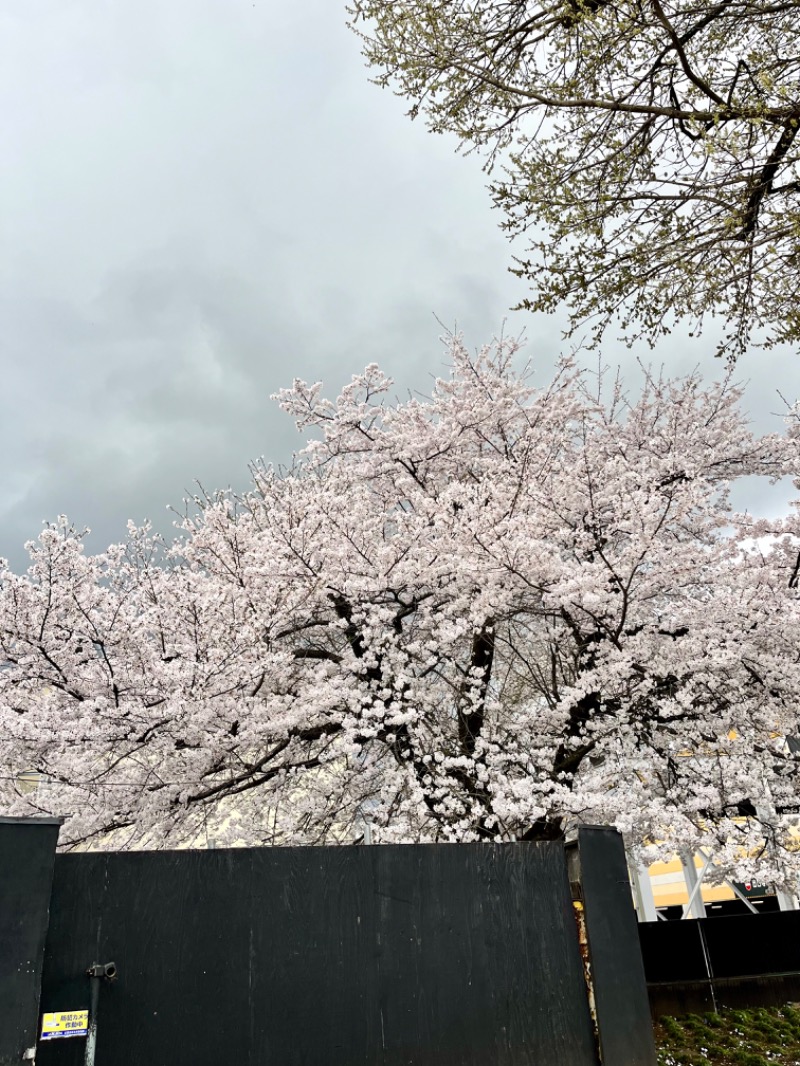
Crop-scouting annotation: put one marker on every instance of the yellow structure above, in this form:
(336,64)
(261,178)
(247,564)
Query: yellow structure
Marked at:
(670,889)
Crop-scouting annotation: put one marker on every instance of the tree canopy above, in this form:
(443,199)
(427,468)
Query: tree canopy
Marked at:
(487,614)
(648,148)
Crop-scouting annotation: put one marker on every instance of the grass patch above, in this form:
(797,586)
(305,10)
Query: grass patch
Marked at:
(764,1036)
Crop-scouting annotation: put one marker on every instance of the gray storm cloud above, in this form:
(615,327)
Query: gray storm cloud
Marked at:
(202,200)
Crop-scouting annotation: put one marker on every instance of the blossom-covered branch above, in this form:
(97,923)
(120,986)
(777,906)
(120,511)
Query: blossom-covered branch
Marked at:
(648,150)
(484,614)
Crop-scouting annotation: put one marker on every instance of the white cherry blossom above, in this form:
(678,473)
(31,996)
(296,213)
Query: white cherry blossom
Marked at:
(481,615)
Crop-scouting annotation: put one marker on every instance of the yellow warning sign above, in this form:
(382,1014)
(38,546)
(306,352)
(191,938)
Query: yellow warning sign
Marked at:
(65,1023)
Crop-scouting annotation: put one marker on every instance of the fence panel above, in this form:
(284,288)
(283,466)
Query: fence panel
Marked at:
(673,951)
(27,850)
(431,955)
(747,960)
(753,944)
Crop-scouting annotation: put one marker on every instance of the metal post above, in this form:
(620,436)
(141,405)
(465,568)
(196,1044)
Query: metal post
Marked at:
(96,973)
(694,880)
(787,901)
(91,1037)
(643,892)
(709,970)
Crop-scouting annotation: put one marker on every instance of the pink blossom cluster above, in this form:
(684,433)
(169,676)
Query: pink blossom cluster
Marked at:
(487,614)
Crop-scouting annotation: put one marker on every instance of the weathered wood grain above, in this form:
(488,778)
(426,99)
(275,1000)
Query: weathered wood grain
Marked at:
(418,955)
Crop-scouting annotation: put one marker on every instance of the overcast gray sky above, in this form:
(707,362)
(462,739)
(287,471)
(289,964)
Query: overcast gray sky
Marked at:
(202,199)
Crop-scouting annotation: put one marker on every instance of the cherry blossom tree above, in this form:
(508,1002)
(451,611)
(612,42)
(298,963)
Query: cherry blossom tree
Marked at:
(482,615)
(646,152)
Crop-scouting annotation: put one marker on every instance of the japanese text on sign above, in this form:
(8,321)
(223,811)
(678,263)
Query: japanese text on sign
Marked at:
(65,1023)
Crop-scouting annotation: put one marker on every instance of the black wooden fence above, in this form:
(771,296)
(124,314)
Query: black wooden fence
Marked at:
(432,955)
(746,960)
(27,851)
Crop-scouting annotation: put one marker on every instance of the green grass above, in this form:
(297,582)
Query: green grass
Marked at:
(764,1036)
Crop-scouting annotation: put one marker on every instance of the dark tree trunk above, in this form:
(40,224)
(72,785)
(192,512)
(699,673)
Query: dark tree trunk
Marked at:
(545,829)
